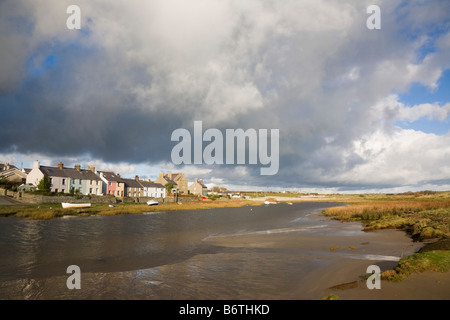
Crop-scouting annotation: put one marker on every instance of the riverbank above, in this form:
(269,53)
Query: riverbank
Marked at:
(426,219)
(53,210)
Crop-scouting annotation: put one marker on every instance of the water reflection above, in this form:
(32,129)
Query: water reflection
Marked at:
(234,253)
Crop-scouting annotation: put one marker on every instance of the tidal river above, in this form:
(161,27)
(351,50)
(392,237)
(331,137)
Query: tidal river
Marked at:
(254,252)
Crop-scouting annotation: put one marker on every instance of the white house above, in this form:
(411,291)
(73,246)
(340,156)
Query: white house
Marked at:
(153,190)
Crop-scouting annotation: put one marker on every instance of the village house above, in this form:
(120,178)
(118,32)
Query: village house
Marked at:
(13,174)
(66,180)
(153,190)
(112,184)
(198,188)
(178,180)
(91,183)
(133,189)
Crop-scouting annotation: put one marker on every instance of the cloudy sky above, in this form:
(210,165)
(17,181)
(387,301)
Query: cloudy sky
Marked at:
(358,110)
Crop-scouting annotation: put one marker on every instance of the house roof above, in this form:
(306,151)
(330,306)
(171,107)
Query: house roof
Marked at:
(111,176)
(3,166)
(149,184)
(12,172)
(168,180)
(132,183)
(174,176)
(200,183)
(69,173)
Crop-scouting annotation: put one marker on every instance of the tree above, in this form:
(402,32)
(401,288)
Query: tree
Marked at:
(169,187)
(44,184)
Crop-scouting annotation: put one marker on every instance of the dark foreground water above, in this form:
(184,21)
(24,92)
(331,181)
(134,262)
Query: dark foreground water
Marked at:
(264,252)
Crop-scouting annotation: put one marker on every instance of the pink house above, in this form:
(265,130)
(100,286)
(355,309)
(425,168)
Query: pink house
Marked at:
(112,184)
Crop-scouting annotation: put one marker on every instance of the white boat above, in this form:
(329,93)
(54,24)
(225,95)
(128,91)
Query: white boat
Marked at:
(152,202)
(75,205)
(269,202)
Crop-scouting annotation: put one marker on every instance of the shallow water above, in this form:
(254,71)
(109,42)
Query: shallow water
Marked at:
(262,252)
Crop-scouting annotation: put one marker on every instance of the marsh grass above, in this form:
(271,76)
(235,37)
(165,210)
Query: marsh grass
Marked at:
(438,261)
(425,216)
(424,219)
(50,211)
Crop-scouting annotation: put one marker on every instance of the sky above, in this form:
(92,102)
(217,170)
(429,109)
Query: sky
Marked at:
(358,110)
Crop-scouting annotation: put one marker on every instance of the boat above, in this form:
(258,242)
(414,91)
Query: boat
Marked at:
(269,202)
(152,202)
(75,205)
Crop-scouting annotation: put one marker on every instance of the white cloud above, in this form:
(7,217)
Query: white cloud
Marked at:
(390,107)
(310,68)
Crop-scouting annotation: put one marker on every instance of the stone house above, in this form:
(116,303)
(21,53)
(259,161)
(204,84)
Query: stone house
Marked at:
(133,189)
(178,180)
(198,188)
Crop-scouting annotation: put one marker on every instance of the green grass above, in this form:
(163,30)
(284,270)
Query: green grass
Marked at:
(330,297)
(437,260)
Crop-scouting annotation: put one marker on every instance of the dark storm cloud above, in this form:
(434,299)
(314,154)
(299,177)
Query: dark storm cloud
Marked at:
(136,71)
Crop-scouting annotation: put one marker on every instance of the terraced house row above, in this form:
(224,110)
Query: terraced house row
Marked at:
(92,182)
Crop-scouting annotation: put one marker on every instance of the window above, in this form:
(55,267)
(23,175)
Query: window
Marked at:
(63,181)
(50,180)
(62,190)
(90,190)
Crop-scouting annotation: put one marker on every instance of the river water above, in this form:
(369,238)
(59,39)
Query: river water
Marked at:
(254,252)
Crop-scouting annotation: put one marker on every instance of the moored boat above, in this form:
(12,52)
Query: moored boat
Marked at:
(75,205)
(152,202)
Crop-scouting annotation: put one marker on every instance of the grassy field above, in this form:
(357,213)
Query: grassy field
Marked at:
(54,210)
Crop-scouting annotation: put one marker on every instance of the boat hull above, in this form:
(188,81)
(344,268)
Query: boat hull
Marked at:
(152,202)
(75,205)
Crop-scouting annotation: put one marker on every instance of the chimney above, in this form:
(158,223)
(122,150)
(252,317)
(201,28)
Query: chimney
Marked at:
(36,164)
(77,167)
(60,165)
(195,180)
(161,174)
(7,166)
(136,178)
(92,168)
